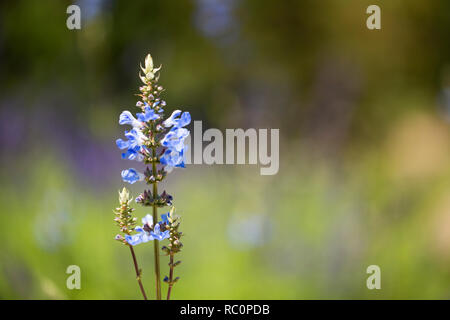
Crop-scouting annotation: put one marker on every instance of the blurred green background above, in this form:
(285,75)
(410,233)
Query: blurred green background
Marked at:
(364,119)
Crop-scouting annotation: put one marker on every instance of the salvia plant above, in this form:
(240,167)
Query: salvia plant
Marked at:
(158,143)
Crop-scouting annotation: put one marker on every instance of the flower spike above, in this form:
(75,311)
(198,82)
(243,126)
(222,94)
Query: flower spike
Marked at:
(158,143)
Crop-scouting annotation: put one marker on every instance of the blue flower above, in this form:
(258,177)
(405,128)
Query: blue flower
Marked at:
(122,144)
(158,235)
(149,114)
(165,217)
(131,176)
(127,118)
(172,158)
(135,138)
(140,237)
(171,120)
(143,236)
(133,240)
(185,119)
(134,145)
(174,139)
(133,154)
(180,122)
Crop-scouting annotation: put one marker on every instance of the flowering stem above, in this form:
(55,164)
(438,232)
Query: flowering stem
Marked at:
(138,272)
(155,221)
(170,276)
(149,132)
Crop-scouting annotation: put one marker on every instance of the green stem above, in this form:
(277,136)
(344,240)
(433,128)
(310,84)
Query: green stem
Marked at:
(170,277)
(138,272)
(155,221)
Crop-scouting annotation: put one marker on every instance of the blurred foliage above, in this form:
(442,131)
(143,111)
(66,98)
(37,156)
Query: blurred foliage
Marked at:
(364,167)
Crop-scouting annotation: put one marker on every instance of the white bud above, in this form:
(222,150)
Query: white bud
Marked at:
(148,63)
(124,196)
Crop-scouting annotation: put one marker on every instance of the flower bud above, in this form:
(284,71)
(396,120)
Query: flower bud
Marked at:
(124,196)
(148,64)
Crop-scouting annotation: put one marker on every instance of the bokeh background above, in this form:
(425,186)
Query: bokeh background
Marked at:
(364,119)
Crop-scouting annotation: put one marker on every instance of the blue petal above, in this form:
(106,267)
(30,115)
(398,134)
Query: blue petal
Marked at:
(185,119)
(127,118)
(171,120)
(134,239)
(131,176)
(147,237)
(122,144)
(148,115)
(165,217)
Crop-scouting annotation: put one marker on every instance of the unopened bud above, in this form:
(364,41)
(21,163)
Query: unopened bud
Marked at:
(124,196)
(148,64)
